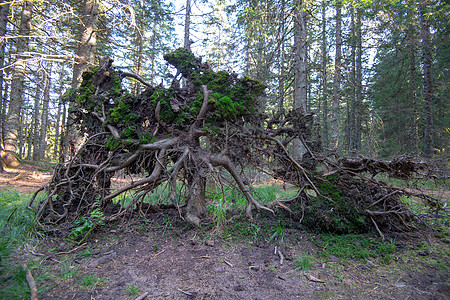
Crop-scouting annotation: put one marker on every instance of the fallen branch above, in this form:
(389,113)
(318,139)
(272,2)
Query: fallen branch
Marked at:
(143,296)
(184,292)
(31,283)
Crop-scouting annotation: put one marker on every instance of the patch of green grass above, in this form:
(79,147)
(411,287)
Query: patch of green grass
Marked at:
(16,227)
(355,246)
(279,232)
(91,282)
(303,263)
(69,271)
(132,291)
(242,229)
(218,208)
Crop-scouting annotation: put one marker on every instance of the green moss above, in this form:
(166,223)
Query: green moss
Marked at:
(112,143)
(164,96)
(334,212)
(183,60)
(122,112)
(147,138)
(129,132)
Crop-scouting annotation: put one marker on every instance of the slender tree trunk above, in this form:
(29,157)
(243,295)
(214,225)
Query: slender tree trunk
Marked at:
(281,70)
(139,43)
(351,106)
(187,25)
(334,136)
(44,119)
(4,97)
(359,87)
(427,83)
(300,71)
(22,132)
(58,114)
(4,12)
(412,72)
(324,77)
(35,118)
(63,138)
(17,87)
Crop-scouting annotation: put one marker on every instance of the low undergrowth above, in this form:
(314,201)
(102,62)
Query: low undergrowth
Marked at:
(17,230)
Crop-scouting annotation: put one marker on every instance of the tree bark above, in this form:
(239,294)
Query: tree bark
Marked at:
(187,25)
(427,83)
(85,55)
(359,87)
(324,77)
(300,74)
(44,115)
(4,12)
(35,118)
(58,114)
(17,87)
(335,132)
(352,74)
(412,74)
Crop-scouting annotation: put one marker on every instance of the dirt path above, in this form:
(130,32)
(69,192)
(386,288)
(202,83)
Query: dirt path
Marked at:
(26,178)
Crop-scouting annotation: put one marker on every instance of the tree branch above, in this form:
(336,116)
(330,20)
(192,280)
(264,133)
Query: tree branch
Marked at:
(135,76)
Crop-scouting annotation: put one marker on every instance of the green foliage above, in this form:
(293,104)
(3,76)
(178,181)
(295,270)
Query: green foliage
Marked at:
(219,210)
(112,143)
(122,113)
(355,246)
(91,281)
(182,59)
(278,232)
(16,227)
(303,263)
(132,291)
(69,271)
(87,225)
(163,96)
(333,212)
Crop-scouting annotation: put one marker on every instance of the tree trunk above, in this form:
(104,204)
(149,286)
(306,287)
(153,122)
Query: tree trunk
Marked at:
(58,114)
(359,88)
(427,84)
(17,87)
(187,25)
(196,199)
(35,120)
(324,78)
(334,136)
(4,12)
(85,56)
(44,119)
(351,106)
(4,97)
(412,72)
(300,74)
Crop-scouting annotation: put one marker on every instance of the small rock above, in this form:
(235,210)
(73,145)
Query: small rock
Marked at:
(209,243)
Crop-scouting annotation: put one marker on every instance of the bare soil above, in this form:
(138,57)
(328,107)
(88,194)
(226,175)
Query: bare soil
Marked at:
(168,260)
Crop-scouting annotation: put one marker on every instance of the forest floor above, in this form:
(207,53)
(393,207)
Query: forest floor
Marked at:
(166,259)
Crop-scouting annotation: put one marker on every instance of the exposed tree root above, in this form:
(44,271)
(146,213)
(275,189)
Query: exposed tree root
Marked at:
(178,139)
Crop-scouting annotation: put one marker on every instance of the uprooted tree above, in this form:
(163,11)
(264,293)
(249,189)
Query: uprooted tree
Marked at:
(209,126)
